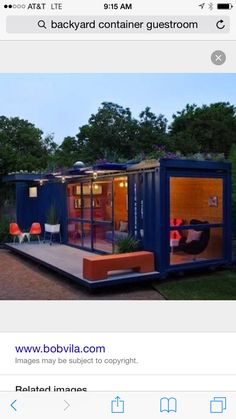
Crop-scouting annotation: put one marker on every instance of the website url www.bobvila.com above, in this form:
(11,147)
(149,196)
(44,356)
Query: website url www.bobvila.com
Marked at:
(58,349)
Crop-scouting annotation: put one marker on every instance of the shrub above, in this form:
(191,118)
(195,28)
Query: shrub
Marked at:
(4,229)
(127,244)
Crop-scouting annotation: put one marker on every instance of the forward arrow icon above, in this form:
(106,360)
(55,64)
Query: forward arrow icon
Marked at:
(67,405)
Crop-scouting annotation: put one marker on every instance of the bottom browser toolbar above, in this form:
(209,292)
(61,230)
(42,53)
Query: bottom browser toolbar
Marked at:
(132,405)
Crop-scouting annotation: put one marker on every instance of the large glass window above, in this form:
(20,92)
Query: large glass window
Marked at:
(196,198)
(102,200)
(98,213)
(74,201)
(102,234)
(74,232)
(86,198)
(196,218)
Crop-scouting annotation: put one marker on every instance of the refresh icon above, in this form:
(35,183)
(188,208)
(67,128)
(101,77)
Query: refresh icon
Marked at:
(220,24)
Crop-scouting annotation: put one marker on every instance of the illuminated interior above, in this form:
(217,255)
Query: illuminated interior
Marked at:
(196,217)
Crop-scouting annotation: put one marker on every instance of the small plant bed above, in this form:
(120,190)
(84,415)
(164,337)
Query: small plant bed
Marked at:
(218,285)
(127,245)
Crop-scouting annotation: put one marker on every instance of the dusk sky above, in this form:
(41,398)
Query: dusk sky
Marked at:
(61,103)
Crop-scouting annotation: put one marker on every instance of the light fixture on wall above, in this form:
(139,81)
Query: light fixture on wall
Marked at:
(41,182)
(95,175)
(123,184)
(33,192)
(63,179)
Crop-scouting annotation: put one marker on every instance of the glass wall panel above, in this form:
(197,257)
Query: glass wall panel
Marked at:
(102,237)
(197,245)
(74,232)
(102,200)
(74,201)
(86,201)
(196,198)
(86,234)
(100,209)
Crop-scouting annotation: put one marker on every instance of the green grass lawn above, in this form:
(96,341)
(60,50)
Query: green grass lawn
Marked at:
(218,285)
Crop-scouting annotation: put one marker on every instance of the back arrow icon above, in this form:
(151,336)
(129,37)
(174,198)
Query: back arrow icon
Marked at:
(67,405)
(12,405)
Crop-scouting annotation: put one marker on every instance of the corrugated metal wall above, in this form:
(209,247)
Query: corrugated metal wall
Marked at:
(31,210)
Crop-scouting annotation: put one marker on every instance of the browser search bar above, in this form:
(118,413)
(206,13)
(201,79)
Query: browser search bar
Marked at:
(118,24)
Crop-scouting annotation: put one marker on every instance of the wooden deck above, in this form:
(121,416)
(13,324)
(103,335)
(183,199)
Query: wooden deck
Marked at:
(68,261)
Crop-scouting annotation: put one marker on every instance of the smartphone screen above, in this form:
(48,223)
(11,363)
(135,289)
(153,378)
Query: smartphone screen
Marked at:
(117,209)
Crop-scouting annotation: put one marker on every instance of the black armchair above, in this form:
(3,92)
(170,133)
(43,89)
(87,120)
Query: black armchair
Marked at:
(195,246)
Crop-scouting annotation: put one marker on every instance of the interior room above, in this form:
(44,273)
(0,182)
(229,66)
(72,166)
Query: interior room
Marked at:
(195,201)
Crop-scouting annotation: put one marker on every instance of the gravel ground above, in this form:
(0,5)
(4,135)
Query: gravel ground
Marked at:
(21,279)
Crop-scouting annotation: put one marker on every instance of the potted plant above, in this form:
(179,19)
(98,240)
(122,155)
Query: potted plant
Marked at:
(52,222)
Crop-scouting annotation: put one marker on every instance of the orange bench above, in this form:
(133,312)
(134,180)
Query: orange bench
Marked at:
(97,267)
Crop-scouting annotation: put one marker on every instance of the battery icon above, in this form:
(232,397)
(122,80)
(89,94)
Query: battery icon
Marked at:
(224,6)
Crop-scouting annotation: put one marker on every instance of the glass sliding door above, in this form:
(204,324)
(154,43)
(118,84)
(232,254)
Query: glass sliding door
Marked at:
(102,215)
(86,215)
(79,214)
(196,219)
(98,213)
(74,233)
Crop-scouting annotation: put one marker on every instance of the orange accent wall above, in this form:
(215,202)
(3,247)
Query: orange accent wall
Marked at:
(189,198)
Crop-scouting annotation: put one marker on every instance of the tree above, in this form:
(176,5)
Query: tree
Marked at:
(21,146)
(67,153)
(206,129)
(111,131)
(152,132)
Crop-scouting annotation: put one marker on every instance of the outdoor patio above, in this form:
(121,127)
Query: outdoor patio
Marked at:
(68,261)
(24,279)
